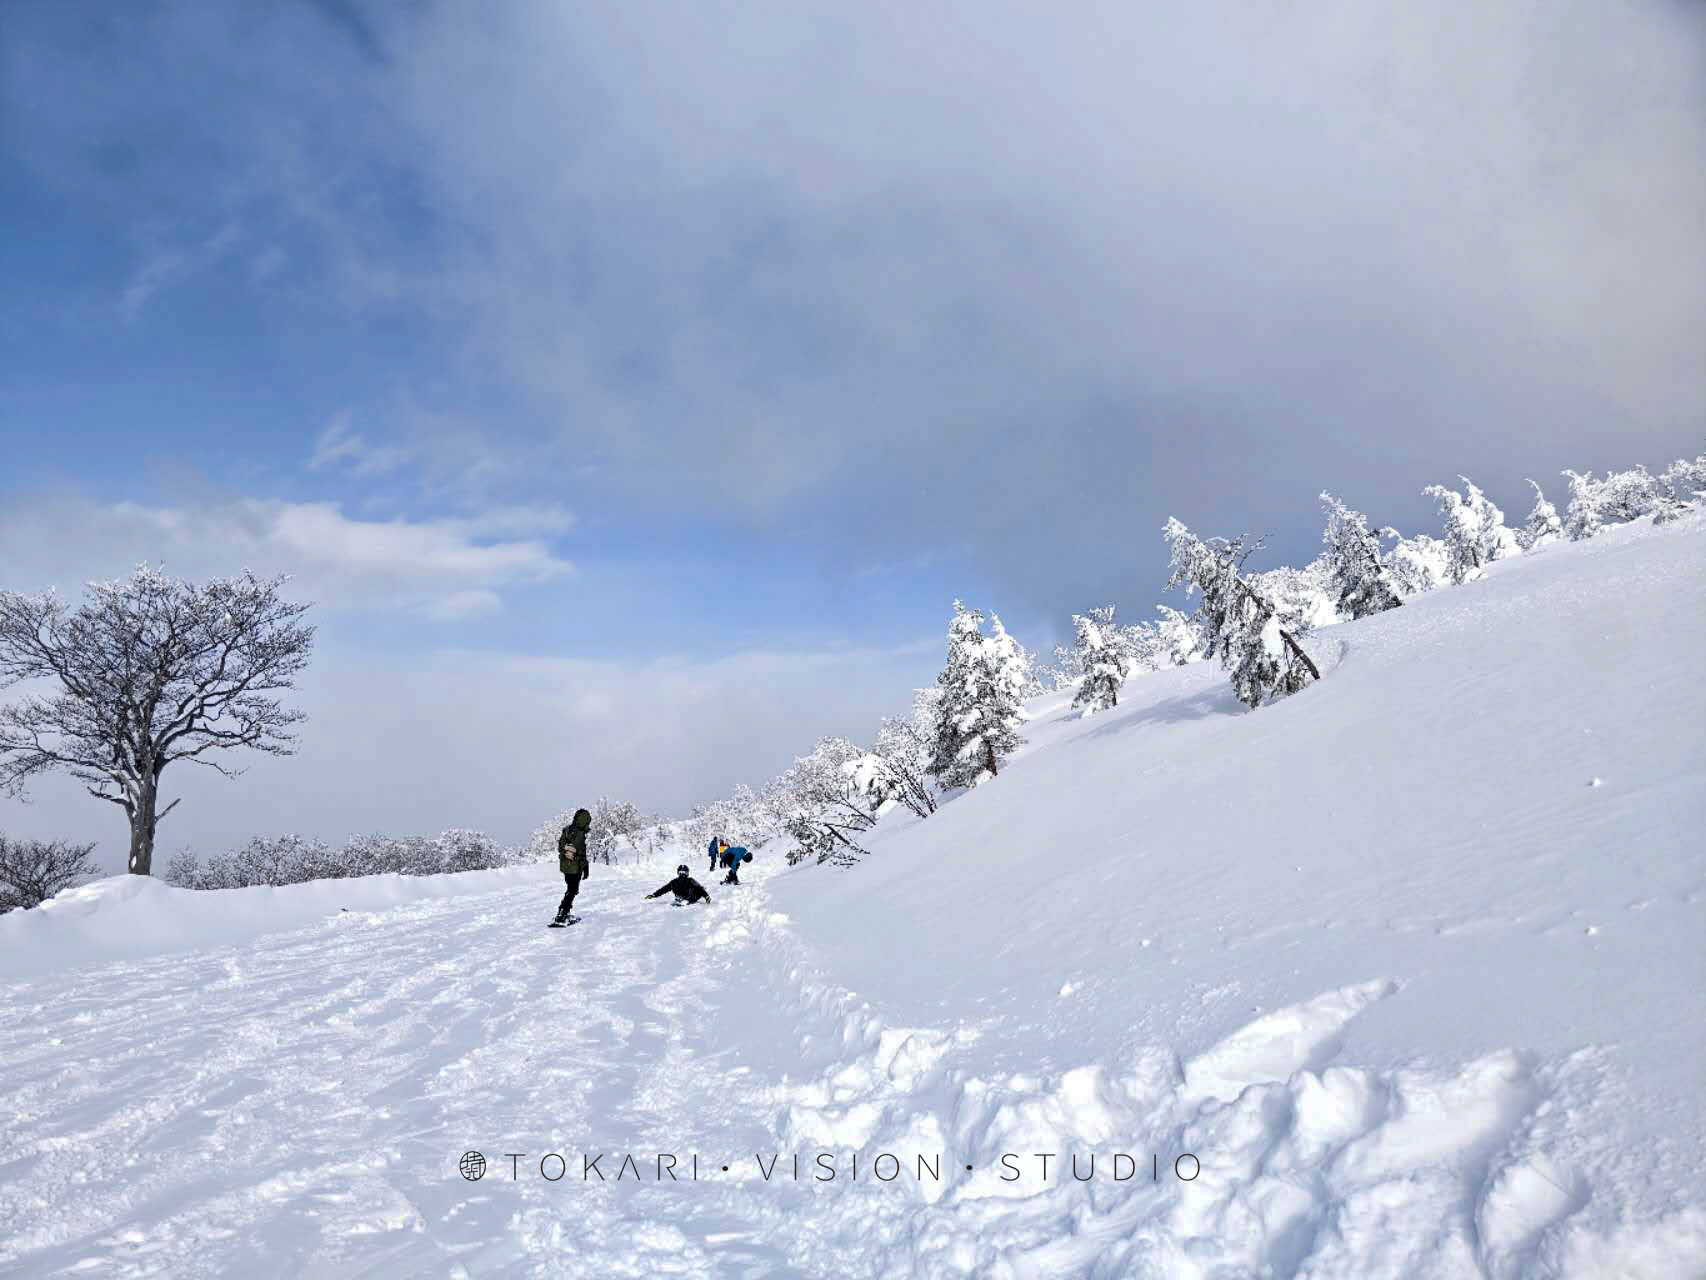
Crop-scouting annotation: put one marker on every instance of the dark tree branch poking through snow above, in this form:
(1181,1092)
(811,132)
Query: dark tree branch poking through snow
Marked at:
(148,670)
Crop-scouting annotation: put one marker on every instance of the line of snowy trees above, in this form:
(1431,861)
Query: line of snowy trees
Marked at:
(295,859)
(1255,622)
(959,733)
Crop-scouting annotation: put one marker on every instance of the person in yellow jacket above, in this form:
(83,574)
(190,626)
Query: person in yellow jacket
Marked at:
(572,862)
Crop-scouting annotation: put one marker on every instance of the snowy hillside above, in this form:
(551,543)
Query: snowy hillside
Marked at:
(1411,964)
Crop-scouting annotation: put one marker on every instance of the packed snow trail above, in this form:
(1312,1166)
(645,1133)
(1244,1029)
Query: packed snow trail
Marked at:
(297,1105)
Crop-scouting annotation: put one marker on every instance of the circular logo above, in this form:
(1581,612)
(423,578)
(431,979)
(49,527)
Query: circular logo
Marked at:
(473,1166)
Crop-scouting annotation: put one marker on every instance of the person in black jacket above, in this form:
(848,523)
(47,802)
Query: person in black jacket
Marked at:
(684,887)
(572,862)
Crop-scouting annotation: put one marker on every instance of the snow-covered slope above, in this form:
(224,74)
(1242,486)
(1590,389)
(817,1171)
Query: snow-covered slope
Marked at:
(1415,960)
(1411,964)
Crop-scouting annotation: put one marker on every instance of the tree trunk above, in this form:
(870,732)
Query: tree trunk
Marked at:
(143,820)
(989,757)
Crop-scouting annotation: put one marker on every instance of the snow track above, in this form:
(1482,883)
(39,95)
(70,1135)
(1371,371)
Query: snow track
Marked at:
(298,1105)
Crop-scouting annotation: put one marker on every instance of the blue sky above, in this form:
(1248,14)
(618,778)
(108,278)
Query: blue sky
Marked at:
(709,355)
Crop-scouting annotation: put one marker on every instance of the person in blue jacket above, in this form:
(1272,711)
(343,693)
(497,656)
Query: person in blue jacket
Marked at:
(732,858)
(717,848)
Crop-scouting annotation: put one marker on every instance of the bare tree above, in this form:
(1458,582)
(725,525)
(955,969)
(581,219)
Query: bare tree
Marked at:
(149,670)
(32,871)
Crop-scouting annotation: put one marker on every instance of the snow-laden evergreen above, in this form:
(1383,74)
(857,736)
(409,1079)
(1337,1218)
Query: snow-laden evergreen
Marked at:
(1419,564)
(1357,575)
(1241,625)
(1543,525)
(1582,517)
(1101,657)
(982,703)
(1475,532)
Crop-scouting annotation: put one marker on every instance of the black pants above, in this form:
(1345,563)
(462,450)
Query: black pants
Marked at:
(731,878)
(573,880)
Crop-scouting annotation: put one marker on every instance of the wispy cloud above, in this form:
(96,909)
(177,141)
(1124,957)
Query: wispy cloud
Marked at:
(338,444)
(166,266)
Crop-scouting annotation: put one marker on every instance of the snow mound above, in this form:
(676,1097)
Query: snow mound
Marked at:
(128,917)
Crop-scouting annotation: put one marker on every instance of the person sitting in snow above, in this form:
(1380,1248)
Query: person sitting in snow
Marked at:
(572,862)
(732,858)
(684,887)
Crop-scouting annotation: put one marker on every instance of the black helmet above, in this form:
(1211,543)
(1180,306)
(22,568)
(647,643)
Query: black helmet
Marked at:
(681,870)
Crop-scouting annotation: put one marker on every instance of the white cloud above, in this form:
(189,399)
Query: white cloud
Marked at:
(443,569)
(338,445)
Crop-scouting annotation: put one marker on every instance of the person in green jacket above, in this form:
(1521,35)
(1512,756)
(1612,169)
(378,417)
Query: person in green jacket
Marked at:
(571,861)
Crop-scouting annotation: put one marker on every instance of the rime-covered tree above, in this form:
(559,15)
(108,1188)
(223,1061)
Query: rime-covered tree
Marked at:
(1142,648)
(978,716)
(743,817)
(821,804)
(1417,564)
(1629,495)
(896,770)
(1357,577)
(1180,635)
(1241,625)
(1686,480)
(147,671)
(1543,524)
(1475,532)
(1582,517)
(1101,658)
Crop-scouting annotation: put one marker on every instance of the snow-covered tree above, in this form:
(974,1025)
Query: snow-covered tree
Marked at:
(1102,658)
(1543,524)
(1142,647)
(743,817)
(896,770)
(982,686)
(821,805)
(1686,480)
(1241,625)
(1475,532)
(1582,517)
(1417,564)
(1181,636)
(147,671)
(1301,598)
(1357,576)
(1629,495)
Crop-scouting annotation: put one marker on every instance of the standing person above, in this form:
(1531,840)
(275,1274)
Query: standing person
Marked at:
(684,887)
(732,860)
(717,848)
(571,861)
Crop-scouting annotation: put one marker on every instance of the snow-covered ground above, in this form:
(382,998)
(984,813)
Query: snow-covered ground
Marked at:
(1412,964)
